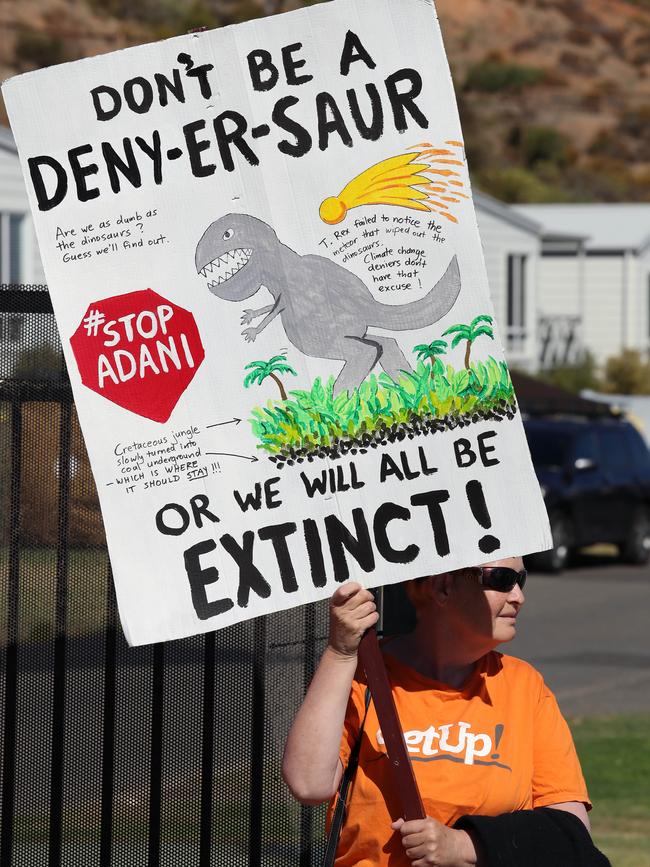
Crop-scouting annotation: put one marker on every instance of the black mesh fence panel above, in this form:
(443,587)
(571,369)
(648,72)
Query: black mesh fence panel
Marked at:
(116,756)
(295,640)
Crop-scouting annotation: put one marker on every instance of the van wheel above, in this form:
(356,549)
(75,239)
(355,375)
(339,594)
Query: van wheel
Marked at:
(557,557)
(635,548)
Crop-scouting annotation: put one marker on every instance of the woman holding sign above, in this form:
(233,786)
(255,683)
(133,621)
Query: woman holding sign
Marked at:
(488,743)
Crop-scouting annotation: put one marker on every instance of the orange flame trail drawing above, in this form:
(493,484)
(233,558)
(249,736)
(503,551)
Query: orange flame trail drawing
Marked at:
(403,181)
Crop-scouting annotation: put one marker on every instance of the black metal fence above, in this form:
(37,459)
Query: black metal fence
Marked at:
(110,755)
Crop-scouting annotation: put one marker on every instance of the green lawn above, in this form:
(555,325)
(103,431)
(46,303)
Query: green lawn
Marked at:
(615,756)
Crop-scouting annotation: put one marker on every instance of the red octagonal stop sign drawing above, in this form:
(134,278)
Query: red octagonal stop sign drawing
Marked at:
(138,350)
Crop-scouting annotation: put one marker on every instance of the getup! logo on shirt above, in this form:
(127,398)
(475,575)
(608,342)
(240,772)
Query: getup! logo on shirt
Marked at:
(453,742)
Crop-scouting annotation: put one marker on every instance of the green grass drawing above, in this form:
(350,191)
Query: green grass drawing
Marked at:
(309,423)
(314,422)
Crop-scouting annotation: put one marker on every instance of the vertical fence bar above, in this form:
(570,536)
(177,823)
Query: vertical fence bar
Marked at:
(108,736)
(60,640)
(207,750)
(257,744)
(11,665)
(309,651)
(155,779)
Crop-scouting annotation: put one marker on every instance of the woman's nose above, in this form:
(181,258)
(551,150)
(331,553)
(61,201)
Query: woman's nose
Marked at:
(516,595)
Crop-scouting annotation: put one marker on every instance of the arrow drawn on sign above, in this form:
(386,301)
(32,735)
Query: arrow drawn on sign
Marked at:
(220,423)
(250,458)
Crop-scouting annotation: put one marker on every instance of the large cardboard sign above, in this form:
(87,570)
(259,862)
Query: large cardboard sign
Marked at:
(266,271)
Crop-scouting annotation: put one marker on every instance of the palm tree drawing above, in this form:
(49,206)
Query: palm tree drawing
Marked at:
(259,370)
(429,351)
(470,333)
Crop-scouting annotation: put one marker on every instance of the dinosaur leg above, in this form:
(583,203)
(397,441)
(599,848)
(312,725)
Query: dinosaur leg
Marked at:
(362,353)
(393,359)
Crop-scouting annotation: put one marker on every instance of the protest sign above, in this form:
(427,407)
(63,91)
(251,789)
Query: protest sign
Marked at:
(264,262)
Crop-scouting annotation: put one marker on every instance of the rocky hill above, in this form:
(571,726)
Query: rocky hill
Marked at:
(554,94)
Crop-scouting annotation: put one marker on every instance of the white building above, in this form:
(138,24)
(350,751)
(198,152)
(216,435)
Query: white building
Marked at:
(511,246)
(19,258)
(593,279)
(20,261)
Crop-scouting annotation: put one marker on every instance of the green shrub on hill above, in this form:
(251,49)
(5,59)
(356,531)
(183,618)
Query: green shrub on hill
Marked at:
(544,144)
(492,75)
(516,185)
(35,50)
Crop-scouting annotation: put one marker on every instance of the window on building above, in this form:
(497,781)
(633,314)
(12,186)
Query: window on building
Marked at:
(11,227)
(15,329)
(11,328)
(516,312)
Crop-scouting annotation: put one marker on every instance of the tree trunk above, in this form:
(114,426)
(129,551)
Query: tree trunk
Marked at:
(467,352)
(276,379)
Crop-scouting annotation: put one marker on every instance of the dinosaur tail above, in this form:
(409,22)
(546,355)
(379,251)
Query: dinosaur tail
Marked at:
(419,314)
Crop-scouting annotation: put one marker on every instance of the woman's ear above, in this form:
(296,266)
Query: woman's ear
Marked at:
(434,588)
(441,587)
(418,591)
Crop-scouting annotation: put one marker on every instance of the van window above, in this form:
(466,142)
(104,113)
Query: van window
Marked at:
(548,448)
(585,445)
(615,451)
(637,448)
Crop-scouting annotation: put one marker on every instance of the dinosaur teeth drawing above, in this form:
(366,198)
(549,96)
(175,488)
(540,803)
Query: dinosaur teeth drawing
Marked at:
(231,262)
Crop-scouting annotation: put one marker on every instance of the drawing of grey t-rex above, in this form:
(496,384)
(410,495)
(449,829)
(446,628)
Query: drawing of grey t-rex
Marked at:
(325,309)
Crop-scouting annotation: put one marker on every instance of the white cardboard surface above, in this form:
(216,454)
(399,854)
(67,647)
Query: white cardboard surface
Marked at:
(144,205)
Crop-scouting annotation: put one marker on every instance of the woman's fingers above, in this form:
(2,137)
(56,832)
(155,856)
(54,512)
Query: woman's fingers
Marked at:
(363,602)
(343,593)
(366,623)
(364,609)
(352,597)
(349,591)
(358,615)
(352,612)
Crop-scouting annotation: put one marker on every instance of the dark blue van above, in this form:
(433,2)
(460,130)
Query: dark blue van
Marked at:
(595,477)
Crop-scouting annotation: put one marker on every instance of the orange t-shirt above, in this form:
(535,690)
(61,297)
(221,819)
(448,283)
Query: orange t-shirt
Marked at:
(496,745)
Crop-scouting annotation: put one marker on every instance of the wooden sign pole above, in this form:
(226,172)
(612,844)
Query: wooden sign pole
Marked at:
(403,776)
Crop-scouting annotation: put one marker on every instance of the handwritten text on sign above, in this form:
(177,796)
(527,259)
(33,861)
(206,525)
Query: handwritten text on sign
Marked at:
(366,541)
(231,132)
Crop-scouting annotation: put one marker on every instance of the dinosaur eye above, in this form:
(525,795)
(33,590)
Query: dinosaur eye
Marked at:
(227,235)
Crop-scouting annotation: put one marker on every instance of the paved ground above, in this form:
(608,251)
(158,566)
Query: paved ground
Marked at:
(588,632)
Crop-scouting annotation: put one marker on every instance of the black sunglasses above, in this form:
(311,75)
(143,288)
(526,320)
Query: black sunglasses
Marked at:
(501,578)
